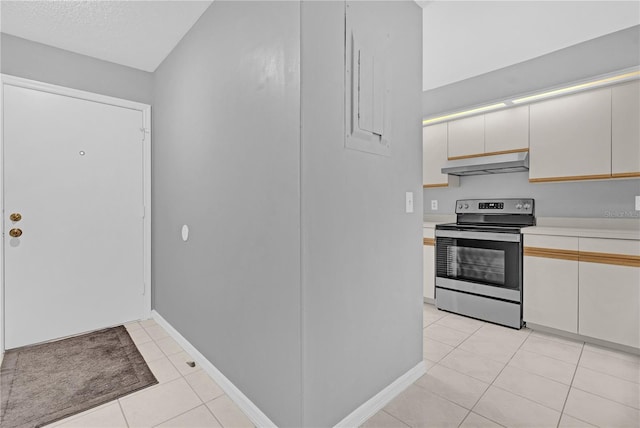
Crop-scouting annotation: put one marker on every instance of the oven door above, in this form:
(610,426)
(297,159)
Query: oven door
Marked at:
(482,263)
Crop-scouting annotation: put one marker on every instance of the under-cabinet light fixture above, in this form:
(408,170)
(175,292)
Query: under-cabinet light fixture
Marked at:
(602,80)
(463,113)
(579,87)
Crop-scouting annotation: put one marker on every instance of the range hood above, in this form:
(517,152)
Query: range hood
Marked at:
(492,164)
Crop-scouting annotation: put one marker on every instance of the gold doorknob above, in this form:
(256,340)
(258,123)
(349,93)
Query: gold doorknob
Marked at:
(15,217)
(16,233)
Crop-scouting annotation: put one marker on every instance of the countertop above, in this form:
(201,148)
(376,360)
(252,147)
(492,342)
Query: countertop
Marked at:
(430,220)
(611,228)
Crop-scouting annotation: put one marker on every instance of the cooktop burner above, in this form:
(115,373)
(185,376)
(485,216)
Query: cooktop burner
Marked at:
(493,214)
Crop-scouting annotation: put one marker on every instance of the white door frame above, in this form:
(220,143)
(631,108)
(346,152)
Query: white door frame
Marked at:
(6,79)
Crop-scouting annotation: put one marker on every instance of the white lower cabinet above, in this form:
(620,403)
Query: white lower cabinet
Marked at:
(609,301)
(588,286)
(550,290)
(429,263)
(609,304)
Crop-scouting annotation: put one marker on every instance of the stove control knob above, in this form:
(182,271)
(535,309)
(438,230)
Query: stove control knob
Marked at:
(518,206)
(527,206)
(459,206)
(466,206)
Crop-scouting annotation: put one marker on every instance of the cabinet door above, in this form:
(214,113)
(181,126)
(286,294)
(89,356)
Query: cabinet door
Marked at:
(570,137)
(610,290)
(550,288)
(466,137)
(625,132)
(507,130)
(429,262)
(434,156)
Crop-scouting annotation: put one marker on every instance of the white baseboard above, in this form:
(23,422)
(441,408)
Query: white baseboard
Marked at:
(381,399)
(246,405)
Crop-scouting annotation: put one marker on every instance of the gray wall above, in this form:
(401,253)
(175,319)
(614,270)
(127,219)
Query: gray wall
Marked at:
(362,254)
(615,51)
(35,61)
(588,199)
(577,199)
(226,162)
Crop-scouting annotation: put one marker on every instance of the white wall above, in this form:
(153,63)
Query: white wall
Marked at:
(361,253)
(467,38)
(226,162)
(35,61)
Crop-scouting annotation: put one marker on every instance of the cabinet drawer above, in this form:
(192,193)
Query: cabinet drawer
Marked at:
(569,243)
(428,232)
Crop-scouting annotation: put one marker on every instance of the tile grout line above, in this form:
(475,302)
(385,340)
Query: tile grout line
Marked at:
(497,376)
(481,395)
(611,375)
(173,380)
(397,419)
(184,376)
(126,421)
(186,381)
(548,356)
(570,386)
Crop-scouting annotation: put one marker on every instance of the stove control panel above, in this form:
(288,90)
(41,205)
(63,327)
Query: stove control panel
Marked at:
(494,206)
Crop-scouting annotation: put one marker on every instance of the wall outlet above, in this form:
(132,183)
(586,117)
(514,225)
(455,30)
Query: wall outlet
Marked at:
(434,204)
(637,203)
(409,202)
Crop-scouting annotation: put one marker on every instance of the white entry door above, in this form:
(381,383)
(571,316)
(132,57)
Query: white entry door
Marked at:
(73,172)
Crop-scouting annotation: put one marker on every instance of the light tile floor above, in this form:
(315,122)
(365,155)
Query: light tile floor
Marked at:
(184,396)
(483,375)
(479,375)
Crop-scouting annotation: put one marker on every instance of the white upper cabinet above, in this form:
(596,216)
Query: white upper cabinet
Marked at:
(434,156)
(502,131)
(570,137)
(466,137)
(507,130)
(625,133)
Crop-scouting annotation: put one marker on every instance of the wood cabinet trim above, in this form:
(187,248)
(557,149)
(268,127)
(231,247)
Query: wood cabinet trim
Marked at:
(570,178)
(610,259)
(429,241)
(584,256)
(478,155)
(426,186)
(625,174)
(551,253)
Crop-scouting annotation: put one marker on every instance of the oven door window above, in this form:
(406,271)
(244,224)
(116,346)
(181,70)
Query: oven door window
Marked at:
(483,262)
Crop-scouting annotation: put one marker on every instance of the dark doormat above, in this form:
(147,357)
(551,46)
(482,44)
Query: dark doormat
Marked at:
(40,384)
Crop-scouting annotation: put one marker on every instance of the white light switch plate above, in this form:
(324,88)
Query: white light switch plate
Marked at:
(434,204)
(409,202)
(637,203)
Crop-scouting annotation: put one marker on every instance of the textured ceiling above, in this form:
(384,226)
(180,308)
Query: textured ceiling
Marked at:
(137,34)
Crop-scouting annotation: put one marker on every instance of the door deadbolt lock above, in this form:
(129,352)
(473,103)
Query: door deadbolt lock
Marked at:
(15,217)
(16,233)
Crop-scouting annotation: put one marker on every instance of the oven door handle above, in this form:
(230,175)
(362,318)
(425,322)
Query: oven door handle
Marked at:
(483,236)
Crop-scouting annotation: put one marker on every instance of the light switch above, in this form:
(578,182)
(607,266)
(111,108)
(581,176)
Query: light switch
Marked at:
(185,233)
(434,204)
(409,202)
